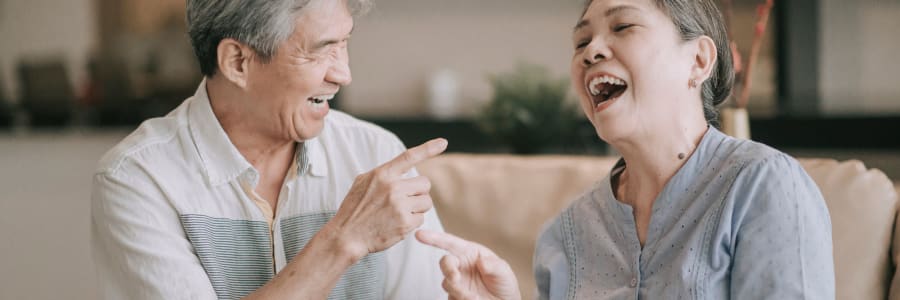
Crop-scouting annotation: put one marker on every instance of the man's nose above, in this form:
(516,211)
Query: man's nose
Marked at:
(339,73)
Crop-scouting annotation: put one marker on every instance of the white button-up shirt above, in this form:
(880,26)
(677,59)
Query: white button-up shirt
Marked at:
(172,217)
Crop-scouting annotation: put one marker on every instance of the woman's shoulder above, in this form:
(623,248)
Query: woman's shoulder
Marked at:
(767,174)
(751,157)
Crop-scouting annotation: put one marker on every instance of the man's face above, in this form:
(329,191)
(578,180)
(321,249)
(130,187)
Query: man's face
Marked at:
(290,92)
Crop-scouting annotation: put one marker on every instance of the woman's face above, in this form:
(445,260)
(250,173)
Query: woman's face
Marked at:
(630,68)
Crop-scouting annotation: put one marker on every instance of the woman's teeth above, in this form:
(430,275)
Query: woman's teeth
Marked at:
(596,88)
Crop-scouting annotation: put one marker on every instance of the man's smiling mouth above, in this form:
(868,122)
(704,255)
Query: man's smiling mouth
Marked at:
(319,101)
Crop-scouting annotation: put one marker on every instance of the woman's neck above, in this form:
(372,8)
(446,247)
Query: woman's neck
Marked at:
(652,159)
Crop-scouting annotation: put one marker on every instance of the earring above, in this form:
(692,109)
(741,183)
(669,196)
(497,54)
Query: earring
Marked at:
(693,83)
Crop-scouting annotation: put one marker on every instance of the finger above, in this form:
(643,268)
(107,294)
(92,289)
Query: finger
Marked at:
(415,221)
(455,290)
(421,204)
(446,241)
(415,186)
(412,156)
(494,266)
(452,277)
(450,267)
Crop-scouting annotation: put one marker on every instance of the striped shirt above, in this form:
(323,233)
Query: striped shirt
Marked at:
(173,216)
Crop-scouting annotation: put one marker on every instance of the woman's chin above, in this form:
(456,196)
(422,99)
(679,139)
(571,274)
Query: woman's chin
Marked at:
(608,130)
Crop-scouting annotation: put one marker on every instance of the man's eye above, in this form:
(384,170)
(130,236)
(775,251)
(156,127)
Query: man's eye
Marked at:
(620,27)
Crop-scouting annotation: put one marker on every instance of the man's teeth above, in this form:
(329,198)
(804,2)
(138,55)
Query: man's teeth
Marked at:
(595,83)
(319,101)
(322,98)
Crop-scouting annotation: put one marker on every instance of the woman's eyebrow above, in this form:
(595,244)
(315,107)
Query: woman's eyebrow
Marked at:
(609,12)
(582,23)
(619,9)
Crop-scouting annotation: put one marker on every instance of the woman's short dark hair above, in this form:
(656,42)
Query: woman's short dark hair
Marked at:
(696,18)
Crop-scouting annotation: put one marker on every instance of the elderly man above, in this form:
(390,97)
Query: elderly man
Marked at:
(248,189)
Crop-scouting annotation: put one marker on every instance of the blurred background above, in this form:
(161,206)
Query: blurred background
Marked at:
(76,76)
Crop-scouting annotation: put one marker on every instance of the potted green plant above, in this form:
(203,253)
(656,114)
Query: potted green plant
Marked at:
(528,110)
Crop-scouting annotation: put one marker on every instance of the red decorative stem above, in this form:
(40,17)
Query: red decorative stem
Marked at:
(762,14)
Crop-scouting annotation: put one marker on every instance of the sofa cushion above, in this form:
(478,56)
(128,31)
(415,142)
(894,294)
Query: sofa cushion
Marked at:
(860,202)
(503,201)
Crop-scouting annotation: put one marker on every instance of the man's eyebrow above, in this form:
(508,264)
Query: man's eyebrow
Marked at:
(328,42)
(608,13)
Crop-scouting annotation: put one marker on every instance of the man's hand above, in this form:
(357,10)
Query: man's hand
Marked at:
(472,271)
(382,206)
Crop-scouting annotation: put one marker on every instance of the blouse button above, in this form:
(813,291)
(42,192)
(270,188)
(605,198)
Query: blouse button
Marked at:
(633,282)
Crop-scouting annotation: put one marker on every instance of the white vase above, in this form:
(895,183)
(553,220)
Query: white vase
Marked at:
(735,122)
(443,95)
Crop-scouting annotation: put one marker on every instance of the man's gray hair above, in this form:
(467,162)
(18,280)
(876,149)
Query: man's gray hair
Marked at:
(260,24)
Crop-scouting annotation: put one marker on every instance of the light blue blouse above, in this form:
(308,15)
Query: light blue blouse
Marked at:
(739,220)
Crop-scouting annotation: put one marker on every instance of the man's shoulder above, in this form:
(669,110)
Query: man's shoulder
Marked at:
(155,139)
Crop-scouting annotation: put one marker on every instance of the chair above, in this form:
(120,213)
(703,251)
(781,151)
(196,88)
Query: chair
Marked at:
(46,92)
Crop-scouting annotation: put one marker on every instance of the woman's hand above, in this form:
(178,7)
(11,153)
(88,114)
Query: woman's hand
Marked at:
(472,271)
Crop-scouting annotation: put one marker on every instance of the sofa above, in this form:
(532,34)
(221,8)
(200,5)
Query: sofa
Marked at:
(502,201)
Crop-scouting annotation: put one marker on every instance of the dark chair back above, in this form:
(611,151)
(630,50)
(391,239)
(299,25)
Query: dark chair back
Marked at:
(46,92)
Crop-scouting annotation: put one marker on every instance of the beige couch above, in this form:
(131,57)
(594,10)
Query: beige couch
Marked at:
(502,201)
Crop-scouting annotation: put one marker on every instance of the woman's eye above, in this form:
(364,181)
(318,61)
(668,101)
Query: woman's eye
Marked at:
(582,44)
(620,27)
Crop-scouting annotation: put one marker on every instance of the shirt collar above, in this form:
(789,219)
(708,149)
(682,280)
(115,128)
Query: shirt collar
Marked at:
(221,160)
(698,162)
(311,159)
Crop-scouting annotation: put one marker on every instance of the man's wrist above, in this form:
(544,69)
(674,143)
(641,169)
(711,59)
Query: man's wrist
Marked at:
(342,244)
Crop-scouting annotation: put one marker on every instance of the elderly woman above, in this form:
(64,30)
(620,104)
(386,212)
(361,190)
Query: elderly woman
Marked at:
(688,212)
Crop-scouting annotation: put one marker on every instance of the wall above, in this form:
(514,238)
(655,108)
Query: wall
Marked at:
(45,181)
(858,58)
(34,29)
(400,44)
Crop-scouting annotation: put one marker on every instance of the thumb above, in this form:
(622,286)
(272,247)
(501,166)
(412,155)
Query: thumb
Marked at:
(492,266)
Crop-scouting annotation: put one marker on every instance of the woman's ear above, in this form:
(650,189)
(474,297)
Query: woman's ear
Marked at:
(705,59)
(234,59)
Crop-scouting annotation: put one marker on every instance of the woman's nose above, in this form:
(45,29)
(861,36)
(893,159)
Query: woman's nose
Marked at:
(596,51)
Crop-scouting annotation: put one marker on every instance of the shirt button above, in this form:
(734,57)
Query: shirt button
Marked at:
(633,282)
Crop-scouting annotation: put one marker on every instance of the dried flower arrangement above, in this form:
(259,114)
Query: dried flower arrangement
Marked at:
(744,69)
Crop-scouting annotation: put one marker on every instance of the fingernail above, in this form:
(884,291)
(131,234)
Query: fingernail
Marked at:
(441,143)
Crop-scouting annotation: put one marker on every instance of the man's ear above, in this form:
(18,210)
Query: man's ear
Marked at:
(704,59)
(234,59)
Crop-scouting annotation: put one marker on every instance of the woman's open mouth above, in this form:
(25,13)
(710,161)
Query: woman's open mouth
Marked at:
(604,88)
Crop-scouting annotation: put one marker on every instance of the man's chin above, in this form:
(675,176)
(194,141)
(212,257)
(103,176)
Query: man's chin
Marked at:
(308,132)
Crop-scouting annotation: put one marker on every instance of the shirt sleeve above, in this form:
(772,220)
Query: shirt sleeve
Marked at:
(413,268)
(782,239)
(139,247)
(551,267)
